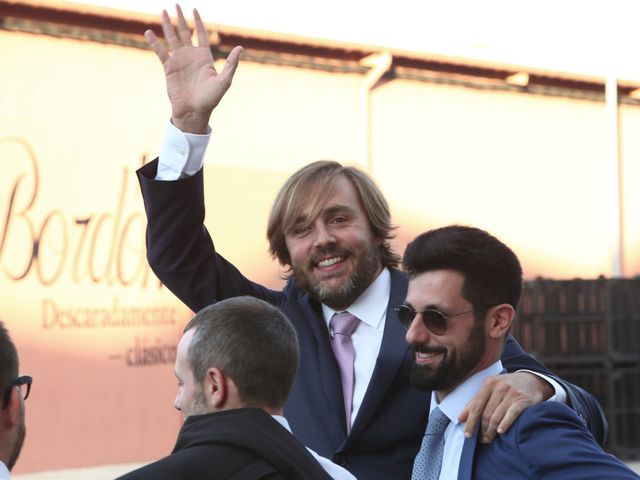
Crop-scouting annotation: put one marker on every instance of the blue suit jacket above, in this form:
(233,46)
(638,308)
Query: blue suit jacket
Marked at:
(387,432)
(548,441)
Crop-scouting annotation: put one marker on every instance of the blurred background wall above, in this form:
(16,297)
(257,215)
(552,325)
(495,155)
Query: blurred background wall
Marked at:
(526,153)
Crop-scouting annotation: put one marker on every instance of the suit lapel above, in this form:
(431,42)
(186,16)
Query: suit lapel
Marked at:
(392,354)
(467,459)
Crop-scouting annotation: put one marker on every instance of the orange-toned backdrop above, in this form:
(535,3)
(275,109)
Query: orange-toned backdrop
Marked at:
(92,323)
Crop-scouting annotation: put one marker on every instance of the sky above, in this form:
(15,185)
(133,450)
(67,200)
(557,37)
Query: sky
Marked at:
(590,37)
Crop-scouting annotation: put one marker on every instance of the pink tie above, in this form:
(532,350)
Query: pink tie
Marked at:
(342,326)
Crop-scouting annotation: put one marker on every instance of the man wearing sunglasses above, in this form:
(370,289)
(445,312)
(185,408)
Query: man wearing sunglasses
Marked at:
(15,390)
(464,288)
(330,228)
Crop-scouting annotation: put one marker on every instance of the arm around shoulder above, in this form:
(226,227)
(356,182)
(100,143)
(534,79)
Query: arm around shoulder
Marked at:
(585,405)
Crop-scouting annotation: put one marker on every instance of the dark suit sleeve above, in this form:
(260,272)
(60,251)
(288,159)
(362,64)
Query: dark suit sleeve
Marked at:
(179,248)
(554,445)
(583,403)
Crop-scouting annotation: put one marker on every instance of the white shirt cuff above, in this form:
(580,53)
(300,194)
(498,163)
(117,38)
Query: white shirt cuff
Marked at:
(182,154)
(560,395)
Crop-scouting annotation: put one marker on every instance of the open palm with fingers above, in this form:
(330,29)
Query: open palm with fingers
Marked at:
(194,86)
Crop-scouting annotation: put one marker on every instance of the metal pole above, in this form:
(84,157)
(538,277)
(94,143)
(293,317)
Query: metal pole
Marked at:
(615,179)
(378,63)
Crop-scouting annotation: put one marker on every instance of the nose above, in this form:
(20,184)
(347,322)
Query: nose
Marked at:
(324,236)
(417,332)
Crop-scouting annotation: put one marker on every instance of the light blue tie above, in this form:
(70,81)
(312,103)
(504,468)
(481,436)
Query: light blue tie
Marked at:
(429,459)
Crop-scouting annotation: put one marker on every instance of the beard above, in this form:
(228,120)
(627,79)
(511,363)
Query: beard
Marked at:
(17,446)
(198,406)
(366,266)
(455,365)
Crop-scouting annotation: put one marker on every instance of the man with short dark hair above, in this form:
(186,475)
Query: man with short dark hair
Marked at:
(235,365)
(464,289)
(15,390)
(330,227)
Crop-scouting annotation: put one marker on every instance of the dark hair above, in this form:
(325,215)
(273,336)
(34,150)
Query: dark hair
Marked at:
(8,360)
(252,342)
(318,178)
(492,272)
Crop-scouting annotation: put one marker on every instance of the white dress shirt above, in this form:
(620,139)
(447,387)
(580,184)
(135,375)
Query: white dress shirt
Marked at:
(334,471)
(4,472)
(181,154)
(451,406)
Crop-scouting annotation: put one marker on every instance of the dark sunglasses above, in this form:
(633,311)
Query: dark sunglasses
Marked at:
(434,320)
(18,382)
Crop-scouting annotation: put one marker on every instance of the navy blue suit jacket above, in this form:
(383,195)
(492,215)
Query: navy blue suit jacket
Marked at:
(387,432)
(547,442)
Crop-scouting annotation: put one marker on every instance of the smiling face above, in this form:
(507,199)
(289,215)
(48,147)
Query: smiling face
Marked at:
(442,362)
(334,255)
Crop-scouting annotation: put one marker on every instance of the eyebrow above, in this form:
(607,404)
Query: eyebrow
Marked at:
(430,306)
(338,208)
(332,210)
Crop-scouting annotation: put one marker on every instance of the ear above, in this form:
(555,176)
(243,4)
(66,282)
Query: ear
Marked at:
(10,416)
(499,320)
(216,388)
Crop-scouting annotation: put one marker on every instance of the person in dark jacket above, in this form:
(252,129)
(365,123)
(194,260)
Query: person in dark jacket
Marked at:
(330,228)
(235,365)
(464,289)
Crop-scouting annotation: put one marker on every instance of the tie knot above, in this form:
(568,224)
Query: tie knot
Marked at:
(343,323)
(437,423)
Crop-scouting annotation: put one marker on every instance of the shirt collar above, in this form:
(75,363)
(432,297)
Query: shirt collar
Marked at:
(455,402)
(282,421)
(4,471)
(371,306)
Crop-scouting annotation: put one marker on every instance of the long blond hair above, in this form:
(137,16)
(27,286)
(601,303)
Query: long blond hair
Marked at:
(318,178)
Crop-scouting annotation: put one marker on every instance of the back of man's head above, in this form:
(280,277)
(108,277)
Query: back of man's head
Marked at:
(8,360)
(252,342)
(492,271)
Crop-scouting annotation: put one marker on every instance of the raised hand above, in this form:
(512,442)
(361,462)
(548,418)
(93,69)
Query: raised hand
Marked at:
(193,84)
